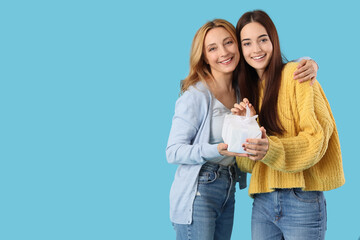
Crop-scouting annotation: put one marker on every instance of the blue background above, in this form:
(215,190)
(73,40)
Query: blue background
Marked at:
(87,93)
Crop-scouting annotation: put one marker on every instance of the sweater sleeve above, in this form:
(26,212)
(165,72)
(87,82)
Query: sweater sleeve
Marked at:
(245,164)
(300,152)
(190,111)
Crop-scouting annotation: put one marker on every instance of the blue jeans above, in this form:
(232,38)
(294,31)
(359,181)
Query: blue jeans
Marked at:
(213,212)
(290,214)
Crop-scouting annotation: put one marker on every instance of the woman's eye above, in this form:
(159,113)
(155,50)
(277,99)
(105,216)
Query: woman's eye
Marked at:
(211,49)
(246,44)
(264,40)
(229,42)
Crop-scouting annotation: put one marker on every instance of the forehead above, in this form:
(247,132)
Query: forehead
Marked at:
(215,35)
(252,30)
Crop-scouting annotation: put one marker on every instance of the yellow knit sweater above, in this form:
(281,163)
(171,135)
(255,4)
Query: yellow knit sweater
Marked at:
(308,154)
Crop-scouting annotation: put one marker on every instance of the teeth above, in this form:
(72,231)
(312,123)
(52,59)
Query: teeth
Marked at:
(226,61)
(256,58)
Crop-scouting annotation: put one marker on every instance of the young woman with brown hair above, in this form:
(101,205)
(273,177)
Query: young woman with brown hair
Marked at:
(299,154)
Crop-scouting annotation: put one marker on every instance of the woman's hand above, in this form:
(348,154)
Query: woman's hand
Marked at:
(257,147)
(222,148)
(240,109)
(306,70)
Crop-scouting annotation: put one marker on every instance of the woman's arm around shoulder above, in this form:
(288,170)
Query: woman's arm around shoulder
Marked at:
(306,70)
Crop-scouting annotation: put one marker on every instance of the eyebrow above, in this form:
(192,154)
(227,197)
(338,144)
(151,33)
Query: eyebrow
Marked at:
(248,39)
(227,38)
(264,35)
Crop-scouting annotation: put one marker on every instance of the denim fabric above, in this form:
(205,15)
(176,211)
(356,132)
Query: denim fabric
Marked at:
(213,211)
(290,214)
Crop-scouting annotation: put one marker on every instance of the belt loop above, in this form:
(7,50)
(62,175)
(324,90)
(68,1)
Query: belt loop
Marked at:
(229,168)
(218,169)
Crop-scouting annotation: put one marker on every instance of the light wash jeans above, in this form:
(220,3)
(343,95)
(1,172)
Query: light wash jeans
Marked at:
(213,213)
(290,214)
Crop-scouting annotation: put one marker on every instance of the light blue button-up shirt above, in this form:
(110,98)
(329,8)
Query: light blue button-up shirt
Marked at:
(189,147)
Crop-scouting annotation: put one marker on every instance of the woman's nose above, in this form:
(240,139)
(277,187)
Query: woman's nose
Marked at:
(257,47)
(223,51)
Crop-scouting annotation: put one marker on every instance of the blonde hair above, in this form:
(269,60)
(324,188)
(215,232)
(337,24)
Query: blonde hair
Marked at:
(199,69)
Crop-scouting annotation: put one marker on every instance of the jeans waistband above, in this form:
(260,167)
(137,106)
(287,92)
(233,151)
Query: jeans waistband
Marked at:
(219,168)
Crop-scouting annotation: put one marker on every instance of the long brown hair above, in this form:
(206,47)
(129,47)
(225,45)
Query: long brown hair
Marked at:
(248,79)
(199,70)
